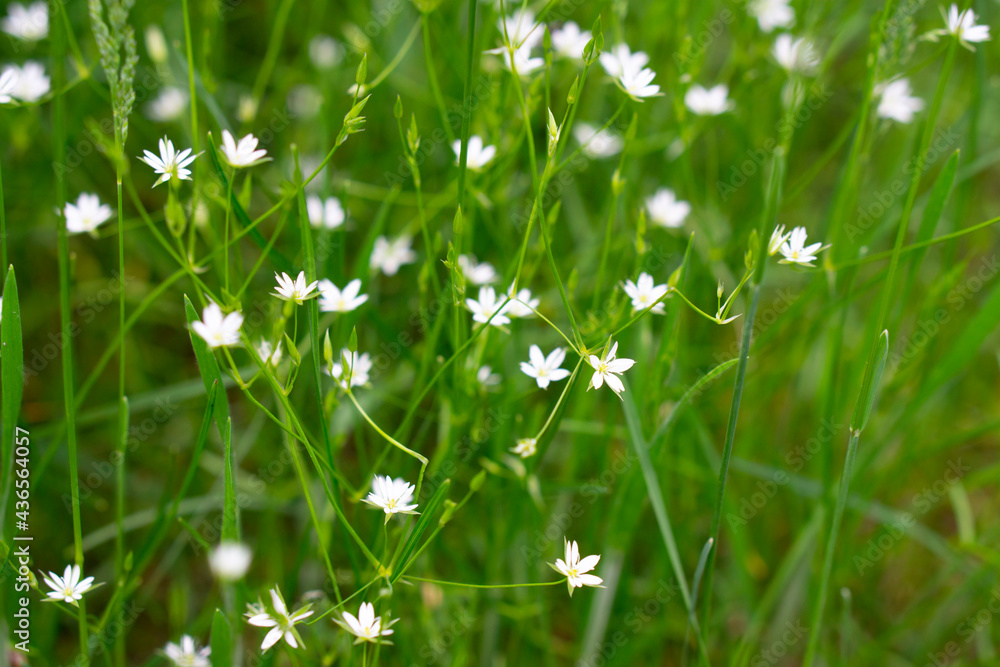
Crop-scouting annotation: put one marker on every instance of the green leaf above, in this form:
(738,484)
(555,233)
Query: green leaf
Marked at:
(222,641)
(230,516)
(12,382)
(869,387)
(208,367)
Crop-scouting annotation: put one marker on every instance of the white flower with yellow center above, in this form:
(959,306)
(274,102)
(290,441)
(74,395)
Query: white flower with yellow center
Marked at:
(281,622)
(218,330)
(367,627)
(393,496)
(297,290)
(545,369)
(608,369)
(575,570)
(68,588)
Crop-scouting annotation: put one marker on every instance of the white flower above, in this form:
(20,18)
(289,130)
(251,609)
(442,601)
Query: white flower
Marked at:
(86,215)
(388,256)
(334,300)
(569,41)
(795,250)
(486,377)
(620,59)
(525,447)
(367,627)
(187,653)
(297,290)
(29,23)
(326,213)
(169,163)
(230,561)
(597,142)
(8,83)
(771,14)
(486,305)
(325,52)
(608,369)
(897,102)
(67,588)
(545,369)
(394,496)
(243,154)
(795,55)
(30,83)
(963,25)
(169,105)
(476,273)
(710,102)
(156,44)
(358,365)
(645,293)
(479,155)
(639,84)
(666,210)
(778,237)
(522,60)
(520,29)
(216,330)
(269,354)
(520,304)
(281,622)
(575,569)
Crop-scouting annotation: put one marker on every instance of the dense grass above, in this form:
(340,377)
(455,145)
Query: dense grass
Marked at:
(801,468)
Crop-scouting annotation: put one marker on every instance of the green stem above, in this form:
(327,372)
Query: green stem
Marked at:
(463,585)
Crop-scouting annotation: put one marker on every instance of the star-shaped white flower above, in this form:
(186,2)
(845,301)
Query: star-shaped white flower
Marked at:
(608,369)
(639,85)
(359,366)
(230,561)
(795,55)
(86,215)
(486,377)
(475,272)
(962,24)
(388,256)
(569,41)
(644,293)
(335,300)
(367,627)
(520,29)
(393,496)
(575,570)
(281,622)
(328,213)
(522,60)
(269,354)
(521,304)
(29,23)
(525,447)
(666,210)
(897,102)
(771,14)
(795,250)
(244,154)
(545,369)
(596,142)
(30,83)
(216,330)
(187,653)
(479,154)
(68,588)
(169,163)
(708,102)
(297,290)
(620,59)
(486,305)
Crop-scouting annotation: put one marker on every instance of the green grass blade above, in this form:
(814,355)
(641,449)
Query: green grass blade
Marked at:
(222,640)
(208,366)
(12,383)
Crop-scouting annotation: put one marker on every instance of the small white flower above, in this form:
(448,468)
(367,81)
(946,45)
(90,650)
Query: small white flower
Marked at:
(367,627)
(897,102)
(243,154)
(156,44)
(393,496)
(569,41)
(545,369)
(169,105)
(86,215)
(778,237)
(710,102)
(169,163)
(771,14)
(522,60)
(795,55)
(269,354)
(597,142)
(187,653)
(479,155)
(230,561)
(962,24)
(486,305)
(486,377)
(297,290)
(639,85)
(608,369)
(67,588)
(520,29)
(525,447)
(575,570)
(216,330)
(335,300)
(30,82)
(520,304)
(644,293)
(666,210)
(327,213)
(281,622)
(29,23)
(620,59)
(359,367)
(8,83)
(388,256)
(325,52)
(476,273)
(795,250)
